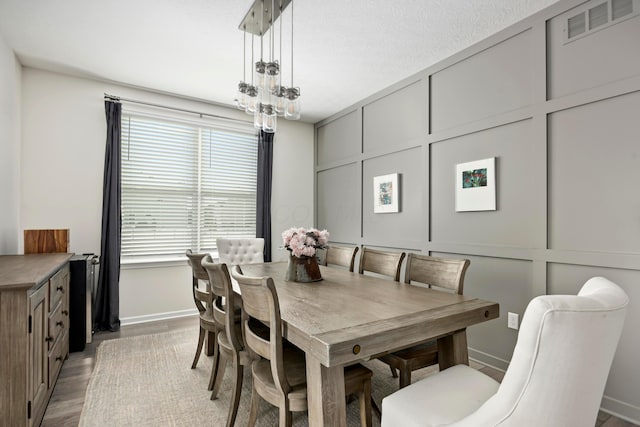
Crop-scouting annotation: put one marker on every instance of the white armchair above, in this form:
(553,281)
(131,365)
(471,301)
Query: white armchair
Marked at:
(556,376)
(240,251)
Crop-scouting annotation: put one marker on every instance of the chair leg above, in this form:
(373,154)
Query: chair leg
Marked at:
(198,349)
(285,417)
(405,377)
(214,367)
(393,372)
(238,369)
(222,365)
(255,405)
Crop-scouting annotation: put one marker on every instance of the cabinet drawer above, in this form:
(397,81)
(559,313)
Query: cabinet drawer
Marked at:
(57,356)
(58,286)
(58,323)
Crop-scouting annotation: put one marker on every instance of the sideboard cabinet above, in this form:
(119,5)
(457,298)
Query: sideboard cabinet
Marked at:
(34,333)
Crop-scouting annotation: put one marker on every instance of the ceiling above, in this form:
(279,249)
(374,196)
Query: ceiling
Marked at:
(344,50)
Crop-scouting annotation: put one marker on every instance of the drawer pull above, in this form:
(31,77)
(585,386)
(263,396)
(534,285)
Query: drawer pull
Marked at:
(59,288)
(58,358)
(65,312)
(48,339)
(59,323)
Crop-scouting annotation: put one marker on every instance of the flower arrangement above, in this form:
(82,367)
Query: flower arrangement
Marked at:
(303,242)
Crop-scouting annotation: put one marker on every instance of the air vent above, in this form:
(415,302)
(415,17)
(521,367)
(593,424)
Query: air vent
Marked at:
(598,16)
(620,8)
(595,18)
(577,25)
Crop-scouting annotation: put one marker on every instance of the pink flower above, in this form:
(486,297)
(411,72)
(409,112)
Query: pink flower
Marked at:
(303,242)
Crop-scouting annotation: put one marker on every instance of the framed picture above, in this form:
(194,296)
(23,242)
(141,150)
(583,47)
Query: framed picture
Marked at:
(386,194)
(476,185)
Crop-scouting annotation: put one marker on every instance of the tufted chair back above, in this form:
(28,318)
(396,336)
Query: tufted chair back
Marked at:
(240,251)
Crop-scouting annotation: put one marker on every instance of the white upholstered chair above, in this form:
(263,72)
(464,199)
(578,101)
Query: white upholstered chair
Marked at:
(240,251)
(556,377)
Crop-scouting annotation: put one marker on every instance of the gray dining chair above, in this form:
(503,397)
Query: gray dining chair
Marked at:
(438,273)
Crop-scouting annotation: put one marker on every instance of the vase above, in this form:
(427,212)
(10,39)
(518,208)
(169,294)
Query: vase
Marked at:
(303,269)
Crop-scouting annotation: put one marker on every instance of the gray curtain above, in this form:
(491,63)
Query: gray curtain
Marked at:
(263,202)
(107,310)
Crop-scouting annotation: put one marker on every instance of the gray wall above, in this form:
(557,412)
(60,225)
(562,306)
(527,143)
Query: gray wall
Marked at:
(562,120)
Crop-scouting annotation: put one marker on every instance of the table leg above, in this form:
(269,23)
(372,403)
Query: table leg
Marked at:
(452,349)
(325,394)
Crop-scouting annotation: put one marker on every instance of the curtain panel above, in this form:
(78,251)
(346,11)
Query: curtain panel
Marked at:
(263,197)
(107,310)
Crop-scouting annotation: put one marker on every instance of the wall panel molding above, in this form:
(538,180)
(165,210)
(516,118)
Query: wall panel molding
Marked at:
(551,230)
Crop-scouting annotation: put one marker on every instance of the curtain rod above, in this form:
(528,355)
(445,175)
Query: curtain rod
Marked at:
(118,99)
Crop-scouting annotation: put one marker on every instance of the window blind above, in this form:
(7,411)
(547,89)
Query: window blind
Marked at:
(184,184)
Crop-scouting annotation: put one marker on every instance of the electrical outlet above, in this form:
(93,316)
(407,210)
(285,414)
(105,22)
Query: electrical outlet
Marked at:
(512,320)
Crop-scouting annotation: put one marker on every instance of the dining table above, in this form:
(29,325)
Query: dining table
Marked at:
(347,317)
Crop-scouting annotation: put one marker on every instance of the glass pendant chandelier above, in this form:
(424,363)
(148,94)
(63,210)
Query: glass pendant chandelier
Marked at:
(265,97)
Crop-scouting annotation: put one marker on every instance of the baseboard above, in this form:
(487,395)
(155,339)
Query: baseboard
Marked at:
(488,360)
(621,409)
(157,316)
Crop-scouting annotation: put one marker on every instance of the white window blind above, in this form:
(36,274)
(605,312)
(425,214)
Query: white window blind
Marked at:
(184,184)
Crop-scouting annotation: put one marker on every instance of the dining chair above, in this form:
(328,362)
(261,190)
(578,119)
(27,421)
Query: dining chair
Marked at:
(381,262)
(230,341)
(279,374)
(204,300)
(438,273)
(556,377)
(240,251)
(341,255)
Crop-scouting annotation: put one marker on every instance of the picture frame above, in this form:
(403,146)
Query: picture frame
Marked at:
(386,194)
(476,186)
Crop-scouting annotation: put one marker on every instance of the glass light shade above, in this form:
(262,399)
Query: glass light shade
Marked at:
(292,111)
(259,74)
(241,97)
(272,79)
(292,108)
(269,119)
(257,117)
(279,100)
(252,99)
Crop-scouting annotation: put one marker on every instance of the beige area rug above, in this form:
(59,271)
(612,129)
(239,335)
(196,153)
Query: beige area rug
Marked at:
(147,381)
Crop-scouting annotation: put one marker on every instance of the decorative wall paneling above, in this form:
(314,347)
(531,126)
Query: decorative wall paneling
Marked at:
(339,202)
(562,121)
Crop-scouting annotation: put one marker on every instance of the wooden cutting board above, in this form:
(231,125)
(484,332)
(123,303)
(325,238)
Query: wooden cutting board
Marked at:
(46,241)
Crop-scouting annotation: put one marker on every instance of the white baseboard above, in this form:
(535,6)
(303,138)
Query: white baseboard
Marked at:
(621,409)
(157,316)
(488,360)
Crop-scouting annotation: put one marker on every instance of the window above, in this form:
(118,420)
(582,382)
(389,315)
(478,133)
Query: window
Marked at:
(184,184)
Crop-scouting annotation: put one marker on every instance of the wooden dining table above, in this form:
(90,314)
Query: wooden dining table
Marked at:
(348,317)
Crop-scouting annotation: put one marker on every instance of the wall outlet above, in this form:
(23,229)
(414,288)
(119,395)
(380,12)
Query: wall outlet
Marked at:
(512,320)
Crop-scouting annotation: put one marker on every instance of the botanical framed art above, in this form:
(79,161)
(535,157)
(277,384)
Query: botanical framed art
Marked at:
(476,185)
(386,194)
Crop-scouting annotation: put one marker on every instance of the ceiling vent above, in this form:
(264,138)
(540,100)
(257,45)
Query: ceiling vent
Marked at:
(599,15)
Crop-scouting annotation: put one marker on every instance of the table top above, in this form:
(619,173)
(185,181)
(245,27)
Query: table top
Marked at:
(348,316)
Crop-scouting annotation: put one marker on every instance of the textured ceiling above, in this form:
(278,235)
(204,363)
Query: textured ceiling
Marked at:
(344,50)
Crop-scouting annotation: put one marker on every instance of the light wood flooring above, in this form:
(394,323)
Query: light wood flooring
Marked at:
(68,396)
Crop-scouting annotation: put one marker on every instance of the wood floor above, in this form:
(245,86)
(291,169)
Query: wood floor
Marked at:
(68,396)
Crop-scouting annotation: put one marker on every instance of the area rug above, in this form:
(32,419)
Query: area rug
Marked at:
(147,381)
